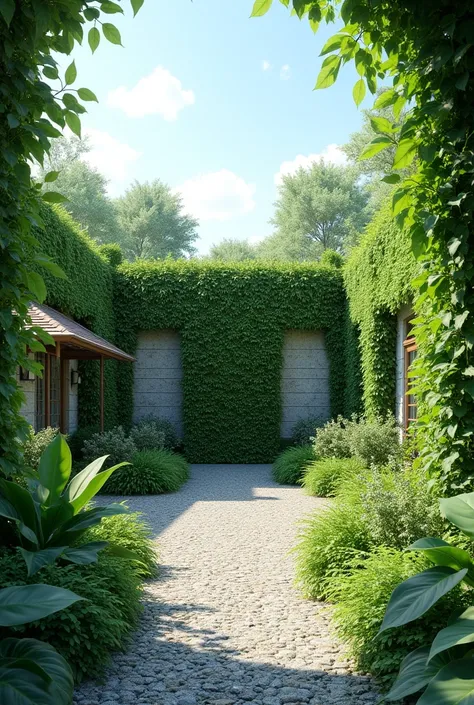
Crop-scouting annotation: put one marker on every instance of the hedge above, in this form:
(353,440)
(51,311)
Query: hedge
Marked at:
(377,277)
(232,319)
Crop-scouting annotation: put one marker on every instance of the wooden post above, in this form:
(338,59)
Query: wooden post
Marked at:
(101,393)
(64,395)
(47,377)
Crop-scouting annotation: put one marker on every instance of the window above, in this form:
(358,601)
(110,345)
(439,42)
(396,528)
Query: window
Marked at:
(410,349)
(48,393)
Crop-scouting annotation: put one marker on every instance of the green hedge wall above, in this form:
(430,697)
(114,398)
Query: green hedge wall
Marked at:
(232,319)
(378,278)
(86,296)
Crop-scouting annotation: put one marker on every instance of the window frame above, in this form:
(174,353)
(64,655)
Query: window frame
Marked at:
(409,346)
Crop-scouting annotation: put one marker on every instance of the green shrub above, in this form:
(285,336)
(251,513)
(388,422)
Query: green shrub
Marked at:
(327,541)
(332,440)
(36,444)
(130,531)
(114,443)
(151,472)
(324,477)
(77,439)
(304,431)
(147,436)
(87,632)
(361,598)
(289,467)
(162,426)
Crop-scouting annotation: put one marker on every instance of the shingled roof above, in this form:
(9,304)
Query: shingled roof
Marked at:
(71,334)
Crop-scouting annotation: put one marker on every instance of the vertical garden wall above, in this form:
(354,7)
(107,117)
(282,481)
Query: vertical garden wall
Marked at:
(232,320)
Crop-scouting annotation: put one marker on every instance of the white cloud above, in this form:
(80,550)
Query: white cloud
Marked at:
(160,93)
(111,157)
(219,195)
(332,154)
(285,72)
(266,65)
(256,239)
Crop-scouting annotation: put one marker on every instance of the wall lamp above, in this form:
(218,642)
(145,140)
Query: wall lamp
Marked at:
(75,377)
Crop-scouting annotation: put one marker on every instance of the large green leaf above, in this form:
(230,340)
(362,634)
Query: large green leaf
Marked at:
(27,603)
(122,552)
(404,154)
(23,686)
(415,673)
(442,553)
(95,484)
(85,554)
(415,596)
(261,7)
(452,685)
(79,483)
(47,658)
(23,502)
(8,511)
(35,560)
(84,520)
(377,145)
(461,631)
(55,468)
(329,71)
(459,511)
(54,518)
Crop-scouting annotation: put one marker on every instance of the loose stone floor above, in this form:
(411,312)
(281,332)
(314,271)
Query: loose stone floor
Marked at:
(223,624)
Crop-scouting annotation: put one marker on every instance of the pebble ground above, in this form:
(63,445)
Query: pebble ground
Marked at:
(223,624)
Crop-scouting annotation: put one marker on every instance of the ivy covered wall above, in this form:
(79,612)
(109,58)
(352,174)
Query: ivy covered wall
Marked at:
(232,320)
(87,296)
(378,279)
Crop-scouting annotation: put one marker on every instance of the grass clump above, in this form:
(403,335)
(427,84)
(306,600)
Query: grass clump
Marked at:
(150,472)
(324,477)
(289,467)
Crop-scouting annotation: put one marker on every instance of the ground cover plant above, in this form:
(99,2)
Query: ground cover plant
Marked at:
(150,472)
(290,465)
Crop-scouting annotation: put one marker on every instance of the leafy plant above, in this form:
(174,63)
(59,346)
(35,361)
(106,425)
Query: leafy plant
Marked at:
(132,532)
(151,472)
(148,436)
(115,444)
(51,516)
(323,478)
(332,440)
(360,596)
(289,467)
(374,442)
(444,669)
(161,426)
(36,444)
(87,632)
(304,430)
(77,439)
(31,671)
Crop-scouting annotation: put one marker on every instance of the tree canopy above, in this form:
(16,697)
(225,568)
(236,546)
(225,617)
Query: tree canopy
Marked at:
(232,250)
(153,222)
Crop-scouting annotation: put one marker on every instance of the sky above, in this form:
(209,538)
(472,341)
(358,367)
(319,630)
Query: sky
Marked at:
(216,104)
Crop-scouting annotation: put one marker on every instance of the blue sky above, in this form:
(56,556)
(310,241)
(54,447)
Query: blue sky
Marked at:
(190,100)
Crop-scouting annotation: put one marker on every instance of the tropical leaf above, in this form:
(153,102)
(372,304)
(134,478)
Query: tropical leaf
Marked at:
(55,468)
(461,631)
(35,560)
(452,685)
(459,511)
(27,603)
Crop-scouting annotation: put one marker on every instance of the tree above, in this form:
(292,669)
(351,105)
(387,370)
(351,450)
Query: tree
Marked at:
(229,250)
(84,187)
(317,208)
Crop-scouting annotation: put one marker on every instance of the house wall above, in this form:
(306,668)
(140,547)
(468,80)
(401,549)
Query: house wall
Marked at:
(157,378)
(305,379)
(402,315)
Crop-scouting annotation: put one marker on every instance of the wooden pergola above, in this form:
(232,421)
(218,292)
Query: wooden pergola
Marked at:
(72,341)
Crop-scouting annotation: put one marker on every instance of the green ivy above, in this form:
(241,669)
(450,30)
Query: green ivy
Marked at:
(232,319)
(378,278)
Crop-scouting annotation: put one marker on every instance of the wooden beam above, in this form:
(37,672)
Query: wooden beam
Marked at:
(70,354)
(102,393)
(47,377)
(64,396)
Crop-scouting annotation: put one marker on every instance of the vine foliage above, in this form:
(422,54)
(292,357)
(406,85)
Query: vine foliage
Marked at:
(426,51)
(36,103)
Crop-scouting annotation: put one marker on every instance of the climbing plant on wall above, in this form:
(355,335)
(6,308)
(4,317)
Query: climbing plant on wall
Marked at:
(426,51)
(32,112)
(232,319)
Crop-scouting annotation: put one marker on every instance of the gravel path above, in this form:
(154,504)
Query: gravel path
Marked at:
(223,624)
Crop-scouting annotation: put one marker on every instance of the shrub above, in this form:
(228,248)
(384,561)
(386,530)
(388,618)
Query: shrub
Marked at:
(171,440)
(114,443)
(327,542)
(361,597)
(332,440)
(324,477)
(147,436)
(77,439)
(151,472)
(36,444)
(374,442)
(132,532)
(88,631)
(289,467)
(304,431)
